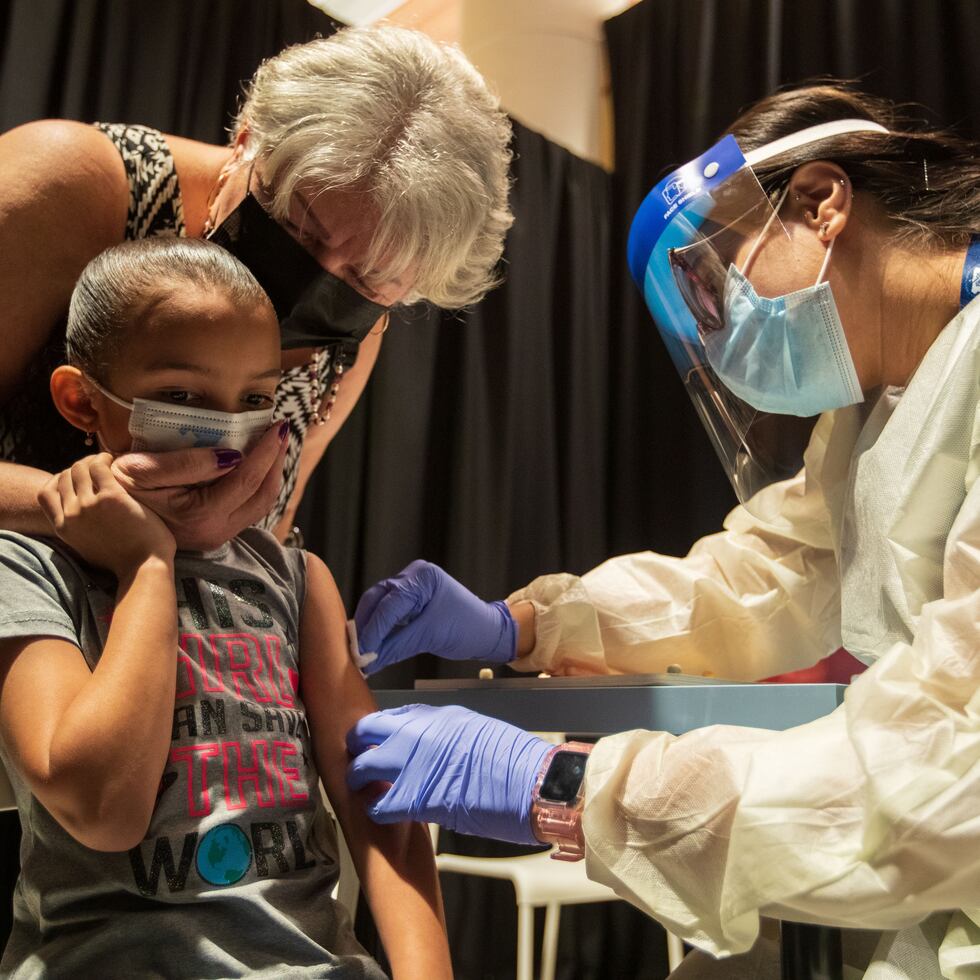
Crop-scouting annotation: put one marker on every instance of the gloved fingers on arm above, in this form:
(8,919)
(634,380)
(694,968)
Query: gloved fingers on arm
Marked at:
(393,806)
(394,609)
(373,729)
(404,643)
(380,765)
(368,603)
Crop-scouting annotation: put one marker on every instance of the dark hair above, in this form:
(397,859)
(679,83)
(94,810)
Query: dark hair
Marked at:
(119,283)
(927,180)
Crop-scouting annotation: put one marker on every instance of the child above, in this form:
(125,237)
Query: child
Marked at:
(154,703)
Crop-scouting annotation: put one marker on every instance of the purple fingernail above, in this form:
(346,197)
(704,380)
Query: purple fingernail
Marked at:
(227,458)
(283,429)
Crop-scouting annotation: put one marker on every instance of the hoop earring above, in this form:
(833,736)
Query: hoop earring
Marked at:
(384,329)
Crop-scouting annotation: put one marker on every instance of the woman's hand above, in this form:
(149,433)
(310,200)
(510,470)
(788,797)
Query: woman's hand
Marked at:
(94,515)
(422,609)
(206,496)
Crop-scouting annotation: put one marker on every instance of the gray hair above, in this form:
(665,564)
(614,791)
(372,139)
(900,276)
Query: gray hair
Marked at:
(120,282)
(411,123)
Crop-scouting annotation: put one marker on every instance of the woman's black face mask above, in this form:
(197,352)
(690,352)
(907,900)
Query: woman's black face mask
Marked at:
(314,307)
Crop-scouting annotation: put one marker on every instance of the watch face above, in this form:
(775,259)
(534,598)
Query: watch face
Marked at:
(563,780)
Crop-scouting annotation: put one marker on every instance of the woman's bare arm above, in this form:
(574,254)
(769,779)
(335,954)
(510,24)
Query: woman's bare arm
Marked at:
(395,861)
(19,509)
(91,750)
(64,199)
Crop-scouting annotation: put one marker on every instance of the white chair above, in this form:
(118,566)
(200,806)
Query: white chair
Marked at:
(539,882)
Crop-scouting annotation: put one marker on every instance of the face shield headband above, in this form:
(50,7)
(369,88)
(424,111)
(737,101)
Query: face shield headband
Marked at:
(691,240)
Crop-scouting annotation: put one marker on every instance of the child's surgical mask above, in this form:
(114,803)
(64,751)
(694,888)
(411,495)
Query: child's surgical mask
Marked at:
(162,426)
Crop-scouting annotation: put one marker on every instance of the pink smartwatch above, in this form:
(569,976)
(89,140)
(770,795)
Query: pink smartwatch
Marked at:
(556,804)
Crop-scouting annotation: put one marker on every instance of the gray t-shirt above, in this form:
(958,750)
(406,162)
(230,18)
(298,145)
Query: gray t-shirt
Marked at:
(234,875)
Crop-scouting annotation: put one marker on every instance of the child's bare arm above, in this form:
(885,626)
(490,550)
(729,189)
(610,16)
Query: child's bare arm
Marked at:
(394,862)
(92,745)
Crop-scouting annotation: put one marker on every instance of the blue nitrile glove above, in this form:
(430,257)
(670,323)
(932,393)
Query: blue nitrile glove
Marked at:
(449,766)
(424,610)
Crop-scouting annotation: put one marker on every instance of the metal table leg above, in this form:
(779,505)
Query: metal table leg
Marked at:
(810,952)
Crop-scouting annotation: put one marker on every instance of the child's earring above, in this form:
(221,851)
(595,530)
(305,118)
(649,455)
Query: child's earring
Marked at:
(89,438)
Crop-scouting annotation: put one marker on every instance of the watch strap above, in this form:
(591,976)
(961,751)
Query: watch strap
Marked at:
(560,824)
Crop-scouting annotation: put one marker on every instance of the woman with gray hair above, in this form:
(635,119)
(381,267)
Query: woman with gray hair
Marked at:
(366,170)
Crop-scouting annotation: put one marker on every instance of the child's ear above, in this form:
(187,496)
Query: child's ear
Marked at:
(73,399)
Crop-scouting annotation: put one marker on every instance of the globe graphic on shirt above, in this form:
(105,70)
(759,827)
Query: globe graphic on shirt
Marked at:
(224,854)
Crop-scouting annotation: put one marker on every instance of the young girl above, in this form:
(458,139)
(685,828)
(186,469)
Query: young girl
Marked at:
(165,716)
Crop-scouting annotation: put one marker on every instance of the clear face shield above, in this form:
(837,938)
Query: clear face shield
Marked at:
(760,368)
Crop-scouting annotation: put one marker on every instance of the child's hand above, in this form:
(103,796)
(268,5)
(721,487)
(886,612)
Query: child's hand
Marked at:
(92,513)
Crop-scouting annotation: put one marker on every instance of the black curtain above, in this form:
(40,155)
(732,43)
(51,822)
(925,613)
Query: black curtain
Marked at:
(177,65)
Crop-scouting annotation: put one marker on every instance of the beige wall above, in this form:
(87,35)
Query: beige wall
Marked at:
(545,58)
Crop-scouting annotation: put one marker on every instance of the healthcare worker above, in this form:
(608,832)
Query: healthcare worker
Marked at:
(815,266)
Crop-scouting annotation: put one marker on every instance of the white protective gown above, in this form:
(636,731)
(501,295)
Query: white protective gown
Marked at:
(869,817)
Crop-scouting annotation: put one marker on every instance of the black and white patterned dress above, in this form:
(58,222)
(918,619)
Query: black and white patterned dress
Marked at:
(31,430)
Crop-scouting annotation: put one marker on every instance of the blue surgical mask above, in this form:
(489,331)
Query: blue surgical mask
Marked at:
(786,355)
(163,426)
